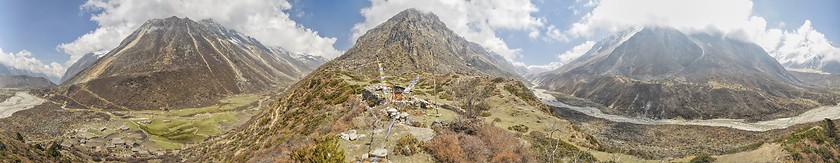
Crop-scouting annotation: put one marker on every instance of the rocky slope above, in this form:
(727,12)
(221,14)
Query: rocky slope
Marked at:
(659,72)
(414,41)
(178,62)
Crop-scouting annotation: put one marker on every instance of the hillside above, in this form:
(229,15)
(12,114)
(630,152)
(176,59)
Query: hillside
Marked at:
(178,62)
(659,72)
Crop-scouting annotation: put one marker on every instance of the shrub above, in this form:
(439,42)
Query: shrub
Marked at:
(703,159)
(446,148)
(52,151)
(470,140)
(793,153)
(18,136)
(419,124)
(519,128)
(408,145)
(326,149)
(498,80)
(444,96)
(825,153)
(831,131)
(485,114)
(506,156)
(554,150)
(475,149)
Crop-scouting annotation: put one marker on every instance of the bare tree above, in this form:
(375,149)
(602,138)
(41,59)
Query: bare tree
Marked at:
(471,94)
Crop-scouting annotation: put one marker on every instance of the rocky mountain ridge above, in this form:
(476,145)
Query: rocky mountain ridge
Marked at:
(660,72)
(178,62)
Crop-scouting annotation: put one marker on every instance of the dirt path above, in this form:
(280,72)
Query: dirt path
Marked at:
(21,101)
(814,115)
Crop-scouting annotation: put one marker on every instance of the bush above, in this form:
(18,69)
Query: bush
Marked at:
(419,124)
(703,159)
(444,97)
(475,149)
(470,140)
(831,131)
(485,114)
(326,149)
(446,148)
(408,145)
(825,153)
(519,128)
(52,151)
(498,80)
(18,136)
(554,150)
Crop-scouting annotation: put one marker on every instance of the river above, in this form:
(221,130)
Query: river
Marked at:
(21,101)
(814,115)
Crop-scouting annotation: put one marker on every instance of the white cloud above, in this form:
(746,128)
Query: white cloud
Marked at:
(613,15)
(476,21)
(575,52)
(555,33)
(265,20)
(565,57)
(798,46)
(23,60)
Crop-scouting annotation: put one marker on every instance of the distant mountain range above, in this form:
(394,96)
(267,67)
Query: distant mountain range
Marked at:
(178,62)
(660,72)
(83,63)
(7,70)
(24,82)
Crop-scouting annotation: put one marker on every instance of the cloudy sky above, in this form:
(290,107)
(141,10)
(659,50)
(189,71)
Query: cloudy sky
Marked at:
(46,36)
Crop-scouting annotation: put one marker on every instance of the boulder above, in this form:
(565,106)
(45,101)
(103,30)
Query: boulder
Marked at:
(393,111)
(381,153)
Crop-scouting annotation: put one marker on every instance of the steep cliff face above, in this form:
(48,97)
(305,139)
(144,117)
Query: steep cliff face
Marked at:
(659,72)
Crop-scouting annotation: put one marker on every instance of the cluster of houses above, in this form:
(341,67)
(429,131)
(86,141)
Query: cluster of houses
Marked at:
(114,144)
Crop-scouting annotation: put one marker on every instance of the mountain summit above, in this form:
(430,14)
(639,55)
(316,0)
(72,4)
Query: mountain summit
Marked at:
(178,62)
(416,41)
(660,72)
